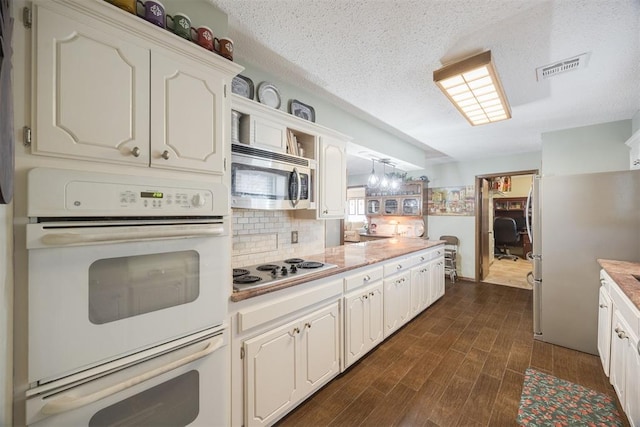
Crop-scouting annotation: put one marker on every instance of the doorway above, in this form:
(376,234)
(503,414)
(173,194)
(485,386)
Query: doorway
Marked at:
(503,195)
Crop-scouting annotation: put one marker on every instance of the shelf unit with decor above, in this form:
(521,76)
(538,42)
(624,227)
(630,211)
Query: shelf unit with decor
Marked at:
(408,200)
(268,128)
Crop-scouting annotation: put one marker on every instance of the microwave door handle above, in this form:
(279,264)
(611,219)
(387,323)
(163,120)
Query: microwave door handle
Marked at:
(294,186)
(71,401)
(150,233)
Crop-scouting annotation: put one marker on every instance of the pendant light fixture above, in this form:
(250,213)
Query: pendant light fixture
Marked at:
(373,180)
(384,182)
(395,179)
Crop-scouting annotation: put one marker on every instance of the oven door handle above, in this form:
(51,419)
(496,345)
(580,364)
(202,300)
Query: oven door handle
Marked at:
(147,233)
(68,402)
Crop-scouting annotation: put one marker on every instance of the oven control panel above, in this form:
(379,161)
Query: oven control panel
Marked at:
(164,200)
(93,195)
(61,193)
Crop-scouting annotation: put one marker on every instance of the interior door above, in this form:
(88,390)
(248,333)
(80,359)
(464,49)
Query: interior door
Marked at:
(486,232)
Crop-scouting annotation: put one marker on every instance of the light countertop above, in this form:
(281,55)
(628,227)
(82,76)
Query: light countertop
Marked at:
(622,273)
(348,257)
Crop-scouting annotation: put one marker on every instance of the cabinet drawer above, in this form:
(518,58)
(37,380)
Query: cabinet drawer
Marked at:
(428,255)
(363,277)
(398,265)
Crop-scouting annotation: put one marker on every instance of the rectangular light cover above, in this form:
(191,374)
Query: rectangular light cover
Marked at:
(473,86)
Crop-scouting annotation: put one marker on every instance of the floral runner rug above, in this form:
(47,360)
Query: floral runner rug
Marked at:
(550,401)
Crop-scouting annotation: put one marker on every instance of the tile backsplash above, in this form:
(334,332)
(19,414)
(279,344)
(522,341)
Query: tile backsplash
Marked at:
(263,236)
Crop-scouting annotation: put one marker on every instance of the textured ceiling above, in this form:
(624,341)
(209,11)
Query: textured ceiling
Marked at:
(375,58)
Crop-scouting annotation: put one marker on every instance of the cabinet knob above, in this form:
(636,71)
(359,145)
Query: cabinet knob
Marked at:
(617,330)
(367,278)
(399,266)
(372,294)
(365,297)
(307,325)
(165,155)
(603,305)
(421,258)
(622,335)
(136,151)
(636,162)
(326,211)
(296,330)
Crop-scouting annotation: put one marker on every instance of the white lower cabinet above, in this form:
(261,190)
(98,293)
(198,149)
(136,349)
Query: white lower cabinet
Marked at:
(397,301)
(604,328)
(618,344)
(420,288)
(286,364)
(618,351)
(436,279)
(363,321)
(632,378)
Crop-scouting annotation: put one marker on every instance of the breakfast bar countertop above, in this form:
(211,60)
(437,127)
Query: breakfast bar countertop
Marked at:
(347,257)
(623,272)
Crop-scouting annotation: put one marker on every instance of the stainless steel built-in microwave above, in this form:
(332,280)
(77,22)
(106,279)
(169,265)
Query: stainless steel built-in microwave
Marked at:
(262,179)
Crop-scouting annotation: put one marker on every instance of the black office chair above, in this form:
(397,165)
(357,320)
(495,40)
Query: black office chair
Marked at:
(505,233)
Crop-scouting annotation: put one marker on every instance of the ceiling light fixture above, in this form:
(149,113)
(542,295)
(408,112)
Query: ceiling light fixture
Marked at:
(384,182)
(373,180)
(473,86)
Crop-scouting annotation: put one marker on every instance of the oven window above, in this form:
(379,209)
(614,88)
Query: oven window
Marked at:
(130,286)
(172,403)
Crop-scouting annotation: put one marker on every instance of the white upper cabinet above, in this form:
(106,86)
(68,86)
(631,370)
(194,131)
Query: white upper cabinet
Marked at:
(332,178)
(92,93)
(121,91)
(187,113)
(634,150)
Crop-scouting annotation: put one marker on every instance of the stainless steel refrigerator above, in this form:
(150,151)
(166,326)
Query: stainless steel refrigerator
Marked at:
(576,220)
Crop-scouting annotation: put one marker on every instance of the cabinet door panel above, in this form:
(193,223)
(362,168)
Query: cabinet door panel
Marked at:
(397,306)
(187,109)
(269,134)
(376,321)
(320,347)
(617,361)
(270,383)
(355,328)
(604,329)
(632,386)
(92,93)
(333,178)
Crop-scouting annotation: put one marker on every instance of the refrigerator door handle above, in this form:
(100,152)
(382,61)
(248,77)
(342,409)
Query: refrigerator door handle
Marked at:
(528,209)
(537,324)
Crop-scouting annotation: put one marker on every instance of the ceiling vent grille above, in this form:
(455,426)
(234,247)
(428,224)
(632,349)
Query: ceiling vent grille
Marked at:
(570,64)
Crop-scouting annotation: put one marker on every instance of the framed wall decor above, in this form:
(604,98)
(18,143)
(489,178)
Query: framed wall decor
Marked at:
(6,104)
(457,201)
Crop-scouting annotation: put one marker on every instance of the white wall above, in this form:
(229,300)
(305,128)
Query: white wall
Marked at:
(587,149)
(263,236)
(635,122)
(464,173)
(6,313)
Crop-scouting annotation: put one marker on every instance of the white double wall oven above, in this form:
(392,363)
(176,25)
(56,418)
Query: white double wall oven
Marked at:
(127,299)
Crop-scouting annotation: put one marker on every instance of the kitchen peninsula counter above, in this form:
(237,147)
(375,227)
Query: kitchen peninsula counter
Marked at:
(347,257)
(623,272)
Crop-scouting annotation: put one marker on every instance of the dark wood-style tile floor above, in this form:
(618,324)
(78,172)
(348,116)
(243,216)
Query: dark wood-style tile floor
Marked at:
(459,363)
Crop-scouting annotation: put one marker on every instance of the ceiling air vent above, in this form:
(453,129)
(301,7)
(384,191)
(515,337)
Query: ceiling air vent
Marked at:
(570,64)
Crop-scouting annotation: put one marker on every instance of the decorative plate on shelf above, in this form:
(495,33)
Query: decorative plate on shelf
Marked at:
(268,95)
(243,86)
(301,110)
